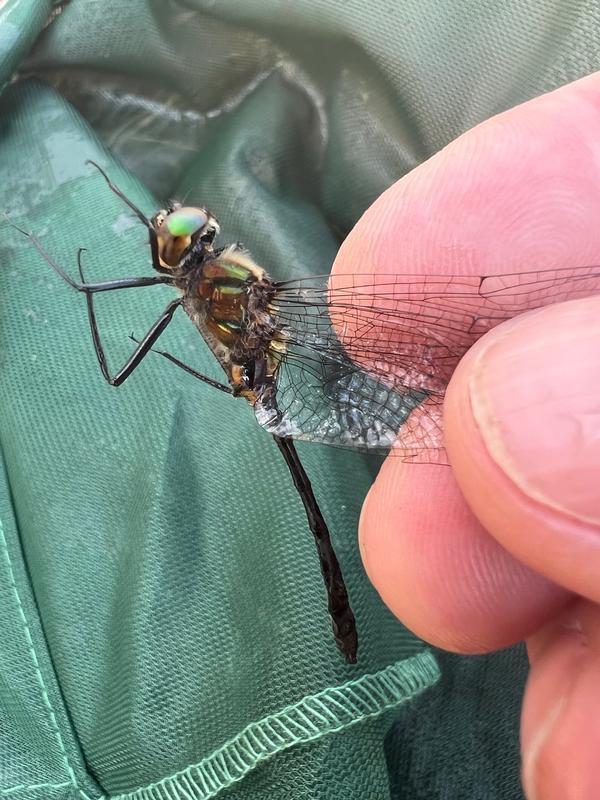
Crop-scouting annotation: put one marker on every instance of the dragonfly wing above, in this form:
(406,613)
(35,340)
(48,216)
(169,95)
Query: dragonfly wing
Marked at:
(331,399)
(369,357)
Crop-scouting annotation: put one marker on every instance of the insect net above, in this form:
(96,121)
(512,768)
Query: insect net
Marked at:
(163,626)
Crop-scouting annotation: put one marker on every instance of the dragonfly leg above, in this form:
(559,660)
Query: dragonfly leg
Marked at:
(141,351)
(139,214)
(143,347)
(342,618)
(104,286)
(188,369)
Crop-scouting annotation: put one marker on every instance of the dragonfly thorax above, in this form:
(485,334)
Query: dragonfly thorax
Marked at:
(232,296)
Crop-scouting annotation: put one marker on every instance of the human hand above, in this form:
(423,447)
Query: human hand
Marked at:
(506,546)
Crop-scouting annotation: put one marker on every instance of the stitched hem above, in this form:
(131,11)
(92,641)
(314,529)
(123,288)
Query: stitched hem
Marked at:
(308,720)
(32,787)
(26,630)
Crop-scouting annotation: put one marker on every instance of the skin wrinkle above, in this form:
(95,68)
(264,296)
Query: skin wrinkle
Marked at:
(563,658)
(530,758)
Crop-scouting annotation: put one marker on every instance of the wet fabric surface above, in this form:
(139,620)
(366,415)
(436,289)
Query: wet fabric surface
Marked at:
(163,620)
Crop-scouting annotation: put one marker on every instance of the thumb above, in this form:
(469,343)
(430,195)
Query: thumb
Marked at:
(522,430)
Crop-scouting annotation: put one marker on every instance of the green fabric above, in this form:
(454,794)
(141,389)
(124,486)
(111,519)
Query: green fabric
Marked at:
(162,617)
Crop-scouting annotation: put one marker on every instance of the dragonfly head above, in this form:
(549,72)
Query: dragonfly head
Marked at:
(181,228)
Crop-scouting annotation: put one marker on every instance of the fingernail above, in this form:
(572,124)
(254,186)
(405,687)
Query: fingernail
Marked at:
(534,389)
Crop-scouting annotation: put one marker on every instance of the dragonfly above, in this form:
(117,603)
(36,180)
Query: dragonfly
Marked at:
(359,361)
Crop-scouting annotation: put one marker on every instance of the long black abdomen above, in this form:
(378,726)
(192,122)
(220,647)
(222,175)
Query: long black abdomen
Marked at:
(342,618)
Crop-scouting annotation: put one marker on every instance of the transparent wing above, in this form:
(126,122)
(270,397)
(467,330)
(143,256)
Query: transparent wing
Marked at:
(369,357)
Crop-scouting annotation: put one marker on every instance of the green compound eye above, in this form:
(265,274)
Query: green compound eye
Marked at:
(186,221)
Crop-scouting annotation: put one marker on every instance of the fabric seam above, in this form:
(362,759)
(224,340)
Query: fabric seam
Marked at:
(36,665)
(28,787)
(308,720)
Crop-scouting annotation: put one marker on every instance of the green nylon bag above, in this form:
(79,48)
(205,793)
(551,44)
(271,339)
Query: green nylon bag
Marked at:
(164,633)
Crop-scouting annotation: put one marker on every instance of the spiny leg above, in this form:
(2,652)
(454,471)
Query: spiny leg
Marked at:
(139,214)
(103,286)
(141,350)
(342,618)
(188,369)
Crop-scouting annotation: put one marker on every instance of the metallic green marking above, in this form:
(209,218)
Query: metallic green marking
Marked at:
(236,272)
(231,289)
